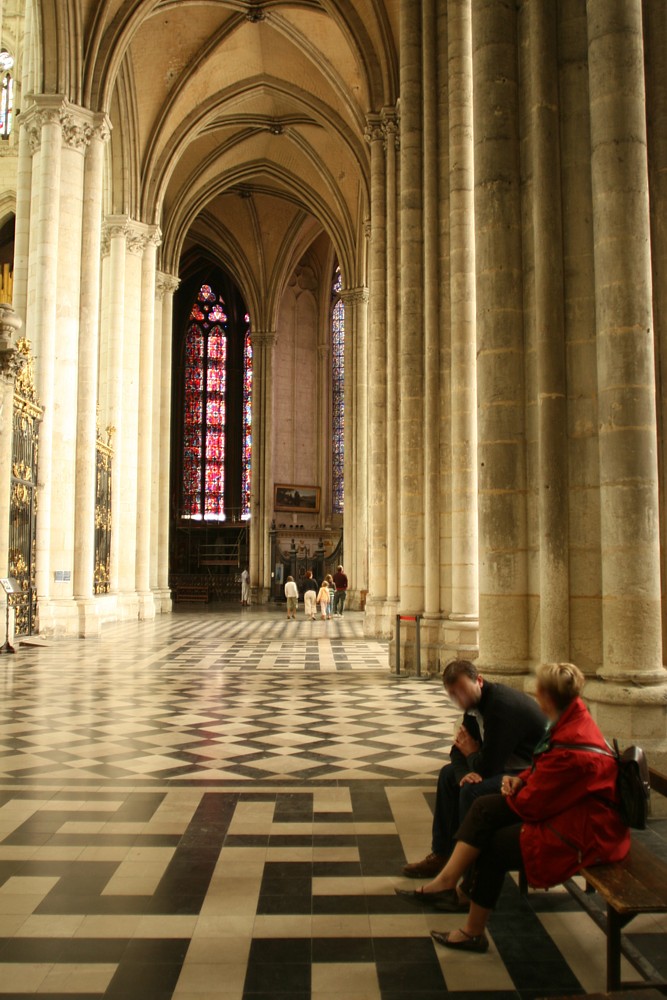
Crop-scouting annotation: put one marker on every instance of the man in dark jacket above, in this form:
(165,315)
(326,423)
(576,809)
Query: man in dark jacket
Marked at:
(501,727)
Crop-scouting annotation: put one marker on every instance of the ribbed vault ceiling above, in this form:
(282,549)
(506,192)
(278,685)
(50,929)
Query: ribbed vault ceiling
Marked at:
(247,115)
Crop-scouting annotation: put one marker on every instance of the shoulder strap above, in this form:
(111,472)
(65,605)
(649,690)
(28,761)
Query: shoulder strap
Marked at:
(587,747)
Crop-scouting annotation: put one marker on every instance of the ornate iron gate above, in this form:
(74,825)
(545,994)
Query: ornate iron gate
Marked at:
(23,503)
(103,453)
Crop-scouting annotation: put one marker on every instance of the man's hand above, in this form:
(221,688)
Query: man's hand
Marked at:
(511,784)
(473,778)
(465,743)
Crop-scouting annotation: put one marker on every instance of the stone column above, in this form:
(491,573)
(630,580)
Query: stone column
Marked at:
(632,640)
(356,428)
(42,122)
(137,236)
(655,43)
(432,328)
(22,229)
(390,127)
(145,438)
(116,232)
(541,97)
(464,604)
(503,634)
(411,335)
(167,284)
(377,383)
(89,310)
(349,440)
(585,613)
(262,464)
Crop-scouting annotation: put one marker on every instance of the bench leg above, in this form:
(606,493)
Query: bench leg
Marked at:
(615,924)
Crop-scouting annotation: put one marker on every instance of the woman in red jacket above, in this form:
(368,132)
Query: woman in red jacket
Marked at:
(550,821)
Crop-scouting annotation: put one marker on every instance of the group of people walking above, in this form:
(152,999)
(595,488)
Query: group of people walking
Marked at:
(330,595)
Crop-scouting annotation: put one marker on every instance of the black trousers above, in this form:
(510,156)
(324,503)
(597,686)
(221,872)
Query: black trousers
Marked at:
(452,804)
(494,828)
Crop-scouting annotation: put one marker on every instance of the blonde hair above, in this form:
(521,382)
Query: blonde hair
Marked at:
(563,682)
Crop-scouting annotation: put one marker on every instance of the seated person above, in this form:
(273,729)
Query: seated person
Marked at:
(554,818)
(501,728)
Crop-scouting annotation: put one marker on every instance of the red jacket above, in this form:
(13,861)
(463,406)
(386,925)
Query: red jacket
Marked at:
(565,826)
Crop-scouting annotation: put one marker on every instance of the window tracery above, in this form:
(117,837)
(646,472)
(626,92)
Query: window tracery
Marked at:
(338,394)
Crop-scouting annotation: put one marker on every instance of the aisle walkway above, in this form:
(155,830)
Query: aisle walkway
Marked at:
(219,806)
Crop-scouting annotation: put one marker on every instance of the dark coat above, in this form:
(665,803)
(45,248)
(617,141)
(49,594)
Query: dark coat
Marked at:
(513,726)
(567,805)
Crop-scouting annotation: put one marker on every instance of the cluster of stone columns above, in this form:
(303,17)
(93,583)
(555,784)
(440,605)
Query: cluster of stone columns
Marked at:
(514,451)
(98,315)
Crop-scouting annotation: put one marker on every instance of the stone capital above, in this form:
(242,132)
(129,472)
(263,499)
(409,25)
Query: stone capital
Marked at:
(373,131)
(165,284)
(354,295)
(77,125)
(262,338)
(391,127)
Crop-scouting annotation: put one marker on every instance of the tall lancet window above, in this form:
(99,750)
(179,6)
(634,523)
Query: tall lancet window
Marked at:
(246,442)
(203,492)
(6,94)
(338,393)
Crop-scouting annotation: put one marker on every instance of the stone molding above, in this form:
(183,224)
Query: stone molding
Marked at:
(78,125)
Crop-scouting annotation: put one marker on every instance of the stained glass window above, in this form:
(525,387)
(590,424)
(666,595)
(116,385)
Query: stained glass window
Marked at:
(6,105)
(203,494)
(338,393)
(246,444)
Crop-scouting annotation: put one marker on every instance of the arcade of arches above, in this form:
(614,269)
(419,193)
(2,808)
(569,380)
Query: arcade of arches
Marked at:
(489,177)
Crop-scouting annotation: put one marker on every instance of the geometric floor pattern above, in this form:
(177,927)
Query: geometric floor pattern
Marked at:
(197,832)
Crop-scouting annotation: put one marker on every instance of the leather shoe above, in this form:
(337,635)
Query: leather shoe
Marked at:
(476,942)
(446,900)
(428,867)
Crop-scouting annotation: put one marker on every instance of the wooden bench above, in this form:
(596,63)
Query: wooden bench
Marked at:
(191,593)
(630,887)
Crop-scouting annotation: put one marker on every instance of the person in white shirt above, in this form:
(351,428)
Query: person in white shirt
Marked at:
(292,595)
(245,588)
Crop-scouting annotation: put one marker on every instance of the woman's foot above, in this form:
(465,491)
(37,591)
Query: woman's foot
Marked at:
(461,940)
(446,901)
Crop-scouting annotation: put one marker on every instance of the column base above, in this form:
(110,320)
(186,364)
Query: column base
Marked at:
(58,617)
(631,714)
(89,619)
(380,618)
(127,606)
(440,640)
(164,604)
(146,605)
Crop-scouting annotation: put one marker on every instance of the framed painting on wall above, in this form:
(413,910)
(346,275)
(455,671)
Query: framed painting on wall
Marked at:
(302,499)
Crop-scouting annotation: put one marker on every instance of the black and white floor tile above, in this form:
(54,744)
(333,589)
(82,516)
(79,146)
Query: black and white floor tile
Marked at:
(173,827)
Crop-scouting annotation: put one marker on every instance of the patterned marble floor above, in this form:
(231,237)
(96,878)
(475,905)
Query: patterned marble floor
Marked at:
(181,819)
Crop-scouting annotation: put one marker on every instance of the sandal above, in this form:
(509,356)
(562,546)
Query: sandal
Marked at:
(471,942)
(446,900)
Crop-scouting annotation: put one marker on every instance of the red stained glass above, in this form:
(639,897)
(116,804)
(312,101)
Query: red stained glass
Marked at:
(246,456)
(338,395)
(203,492)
